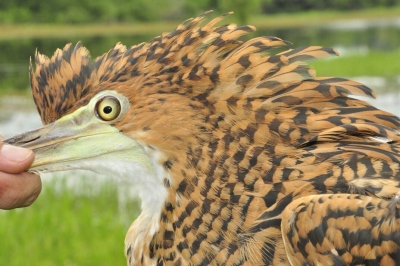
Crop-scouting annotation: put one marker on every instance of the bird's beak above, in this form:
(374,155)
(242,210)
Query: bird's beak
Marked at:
(75,141)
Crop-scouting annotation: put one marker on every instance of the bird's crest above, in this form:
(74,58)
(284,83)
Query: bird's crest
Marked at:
(58,83)
(209,59)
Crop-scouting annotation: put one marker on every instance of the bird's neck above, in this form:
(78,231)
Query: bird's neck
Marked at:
(155,236)
(153,195)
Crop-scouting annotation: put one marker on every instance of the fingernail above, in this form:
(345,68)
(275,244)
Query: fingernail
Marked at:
(15,154)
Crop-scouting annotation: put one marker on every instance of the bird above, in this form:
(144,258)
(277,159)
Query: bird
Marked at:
(240,154)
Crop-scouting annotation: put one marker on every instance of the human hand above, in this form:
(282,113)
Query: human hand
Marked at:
(17,187)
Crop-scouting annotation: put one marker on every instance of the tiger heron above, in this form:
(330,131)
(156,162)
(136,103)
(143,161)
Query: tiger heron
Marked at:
(241,156)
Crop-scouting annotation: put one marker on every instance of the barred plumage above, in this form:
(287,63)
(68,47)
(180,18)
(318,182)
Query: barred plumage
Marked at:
(263,163)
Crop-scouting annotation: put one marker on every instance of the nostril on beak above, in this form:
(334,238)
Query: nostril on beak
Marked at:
(19,140)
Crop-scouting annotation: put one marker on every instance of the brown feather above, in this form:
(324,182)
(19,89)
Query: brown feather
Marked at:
(267,162)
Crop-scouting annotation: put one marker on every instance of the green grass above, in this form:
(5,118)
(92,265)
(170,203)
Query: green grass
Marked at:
(66,228)
(282,20)
(374,63)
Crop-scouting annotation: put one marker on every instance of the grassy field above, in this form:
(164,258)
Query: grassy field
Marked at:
(67,228)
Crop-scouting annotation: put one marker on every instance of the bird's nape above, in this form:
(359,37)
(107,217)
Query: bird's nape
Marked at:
(243,156)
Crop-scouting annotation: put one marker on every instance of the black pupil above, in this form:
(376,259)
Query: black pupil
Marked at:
(107,109)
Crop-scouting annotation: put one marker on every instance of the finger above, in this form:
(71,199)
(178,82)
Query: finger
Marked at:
(19,190)
(14,159)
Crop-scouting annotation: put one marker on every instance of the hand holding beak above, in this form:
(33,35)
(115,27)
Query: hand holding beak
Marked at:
(18,188)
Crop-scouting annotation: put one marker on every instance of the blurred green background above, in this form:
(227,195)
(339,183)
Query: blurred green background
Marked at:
(80,218)
(90,11)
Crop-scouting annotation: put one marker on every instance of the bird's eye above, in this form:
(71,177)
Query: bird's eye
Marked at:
(108,108)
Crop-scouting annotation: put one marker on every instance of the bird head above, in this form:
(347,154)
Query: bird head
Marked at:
(87,133)
(122,106)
